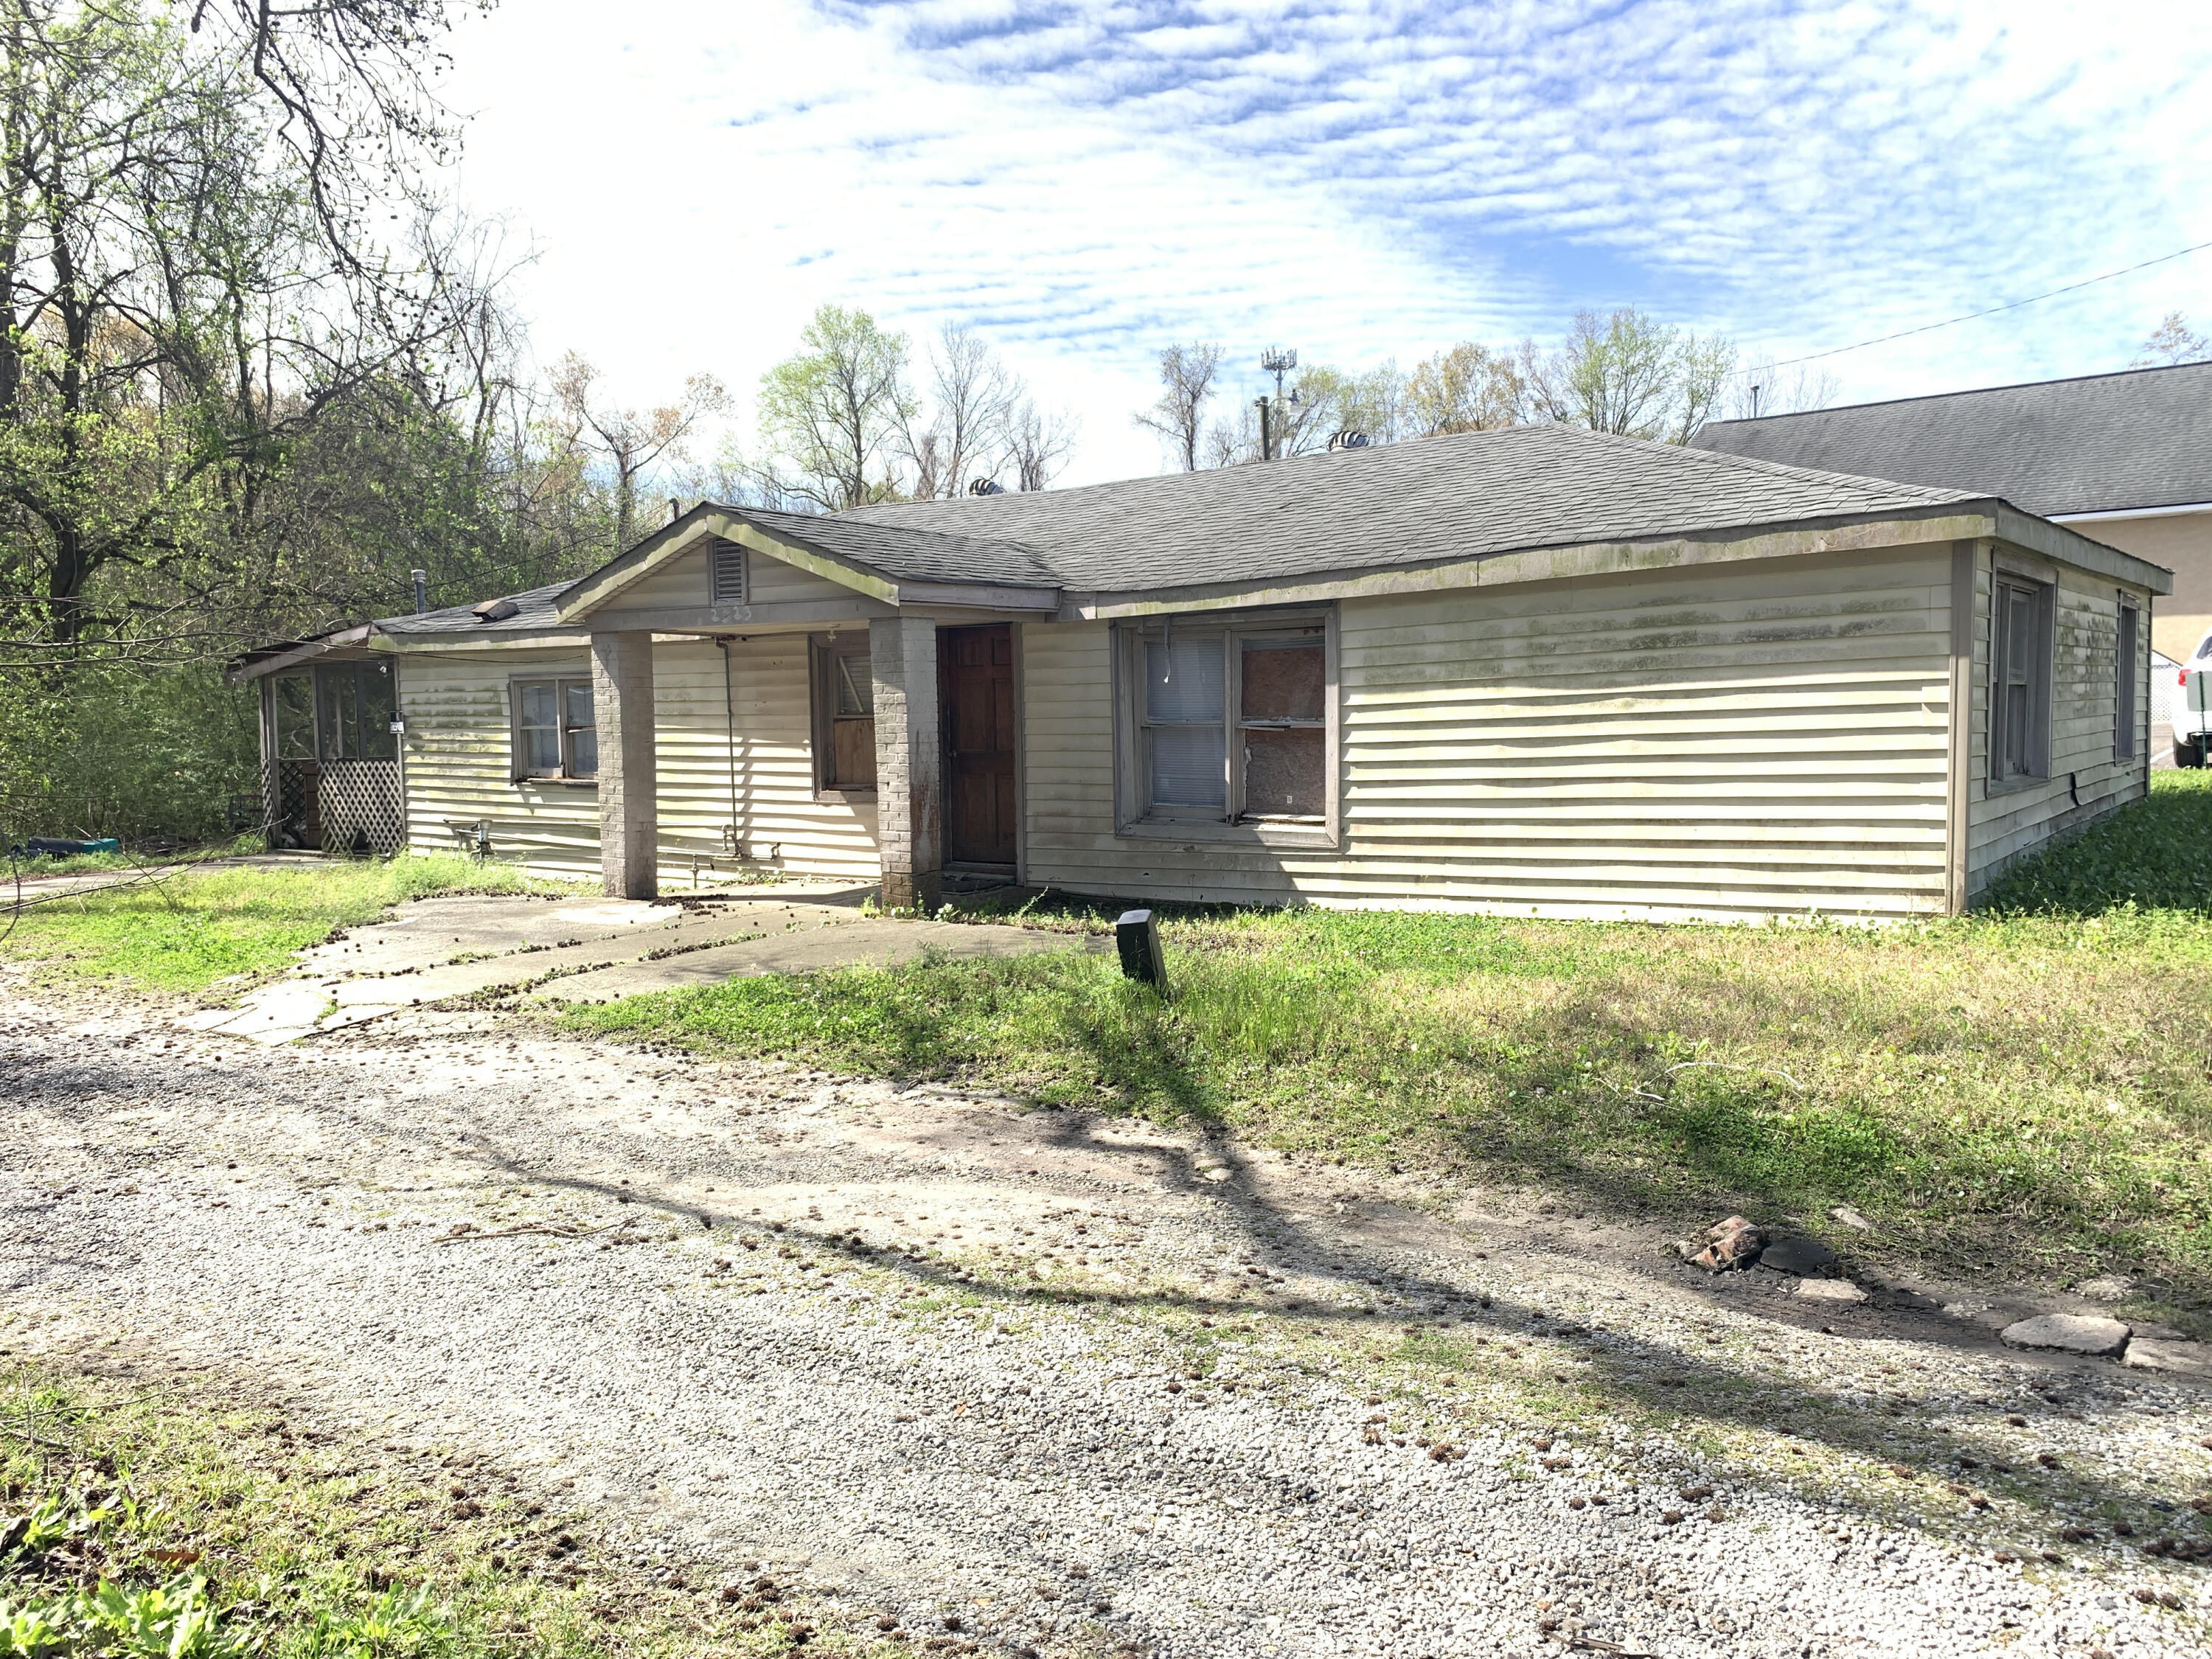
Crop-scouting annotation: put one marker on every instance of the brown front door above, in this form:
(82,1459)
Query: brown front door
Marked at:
(975,683)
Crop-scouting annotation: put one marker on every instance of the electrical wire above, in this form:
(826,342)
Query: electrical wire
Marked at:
(2010,305)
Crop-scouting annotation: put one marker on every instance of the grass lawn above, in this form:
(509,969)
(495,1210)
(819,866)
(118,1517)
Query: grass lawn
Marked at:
(177,1525)
(2026,1092)
(185,932)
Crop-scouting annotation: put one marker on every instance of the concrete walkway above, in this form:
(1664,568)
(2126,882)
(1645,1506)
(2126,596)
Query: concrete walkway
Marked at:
(437,950)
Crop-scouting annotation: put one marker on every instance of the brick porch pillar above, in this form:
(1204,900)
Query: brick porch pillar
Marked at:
(622,704)
(909,760)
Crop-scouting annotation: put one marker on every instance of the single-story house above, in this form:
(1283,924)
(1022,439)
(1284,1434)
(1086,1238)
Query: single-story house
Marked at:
(1532,671)
(2125,457)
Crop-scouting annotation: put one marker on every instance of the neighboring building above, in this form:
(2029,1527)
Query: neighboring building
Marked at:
(1535,671)
(2127,457)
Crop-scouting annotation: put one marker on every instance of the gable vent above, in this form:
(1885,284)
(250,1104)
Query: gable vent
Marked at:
(726,574)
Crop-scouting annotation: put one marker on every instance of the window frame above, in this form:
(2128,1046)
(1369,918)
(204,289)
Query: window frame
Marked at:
(824,652)
(2003,651)
(2127,678)
(518,774)
(1135,817)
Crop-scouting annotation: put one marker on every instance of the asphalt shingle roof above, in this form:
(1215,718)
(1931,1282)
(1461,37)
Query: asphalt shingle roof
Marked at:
(911,551)
(2095,445)
(1433,499)
(533,614)
(1462,497)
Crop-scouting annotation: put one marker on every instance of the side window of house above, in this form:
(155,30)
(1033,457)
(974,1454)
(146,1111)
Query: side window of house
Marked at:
(1230,724)
(844,715)
(2127,674)
(555,731)
(2020,680)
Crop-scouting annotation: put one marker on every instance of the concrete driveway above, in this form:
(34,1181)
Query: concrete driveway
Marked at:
(568,950)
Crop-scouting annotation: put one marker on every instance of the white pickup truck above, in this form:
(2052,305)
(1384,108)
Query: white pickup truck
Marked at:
(2192,706)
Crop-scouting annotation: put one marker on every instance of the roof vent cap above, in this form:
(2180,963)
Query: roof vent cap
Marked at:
(1348,439)
(987,487)
(492,611)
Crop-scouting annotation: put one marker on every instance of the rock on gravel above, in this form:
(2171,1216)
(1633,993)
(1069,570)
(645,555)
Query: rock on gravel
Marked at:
(2073,1332)
(2176,1358)
(1831,1290)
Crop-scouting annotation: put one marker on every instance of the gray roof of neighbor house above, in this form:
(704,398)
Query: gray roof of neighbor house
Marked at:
(532,614)
(1433,499)
(2095,445)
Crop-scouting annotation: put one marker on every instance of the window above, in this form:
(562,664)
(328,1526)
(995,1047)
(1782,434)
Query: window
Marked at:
(353,712)
(2020,680)
(556,729)
(2127,672)
(844,715)
(726,575)
(1229,724)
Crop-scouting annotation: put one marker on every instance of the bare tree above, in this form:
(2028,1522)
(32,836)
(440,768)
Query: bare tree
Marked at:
(971,405)
(1763,389)
(2171,343)
(633,443)
(1188,373)
(1037,444)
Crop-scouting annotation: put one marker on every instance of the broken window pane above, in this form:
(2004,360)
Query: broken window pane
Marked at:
(1284,773)
(856,686)
(1284,679)
(295,717)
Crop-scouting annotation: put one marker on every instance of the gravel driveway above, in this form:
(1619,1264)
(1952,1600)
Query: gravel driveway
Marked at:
(1077,1385)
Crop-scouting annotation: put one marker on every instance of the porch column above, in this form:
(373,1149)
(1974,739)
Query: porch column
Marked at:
(622,704)
(909,760)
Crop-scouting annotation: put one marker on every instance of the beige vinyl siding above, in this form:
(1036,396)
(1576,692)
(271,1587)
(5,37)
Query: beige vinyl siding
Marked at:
(682,584)
(459,763)
(775,803)
(2008,822)
(1732,742)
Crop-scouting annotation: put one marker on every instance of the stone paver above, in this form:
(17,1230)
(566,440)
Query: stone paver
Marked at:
(2073,1333)
(2190,1359)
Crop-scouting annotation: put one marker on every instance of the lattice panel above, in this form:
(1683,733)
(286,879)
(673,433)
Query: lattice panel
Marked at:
(361,807)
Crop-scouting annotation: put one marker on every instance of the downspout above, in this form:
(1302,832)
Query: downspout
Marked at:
(730,733)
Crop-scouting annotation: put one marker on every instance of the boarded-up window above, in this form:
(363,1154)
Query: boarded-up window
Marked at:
(1284,686)
(555,729)
(1230,723)
(2020,680)
(844,715)
(2127,674)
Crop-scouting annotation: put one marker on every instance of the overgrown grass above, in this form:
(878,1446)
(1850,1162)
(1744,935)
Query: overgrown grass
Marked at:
(187,931)
(174,1527)
(2016,1093)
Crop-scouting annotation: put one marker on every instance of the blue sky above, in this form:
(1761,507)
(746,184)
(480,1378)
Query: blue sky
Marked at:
(1086,183)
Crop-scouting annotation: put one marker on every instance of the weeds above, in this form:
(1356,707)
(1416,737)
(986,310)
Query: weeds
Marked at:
(176,1528)
(2021,1092)
(187,932)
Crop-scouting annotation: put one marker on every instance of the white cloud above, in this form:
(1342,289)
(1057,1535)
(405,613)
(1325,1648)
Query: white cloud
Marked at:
(1086,183)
